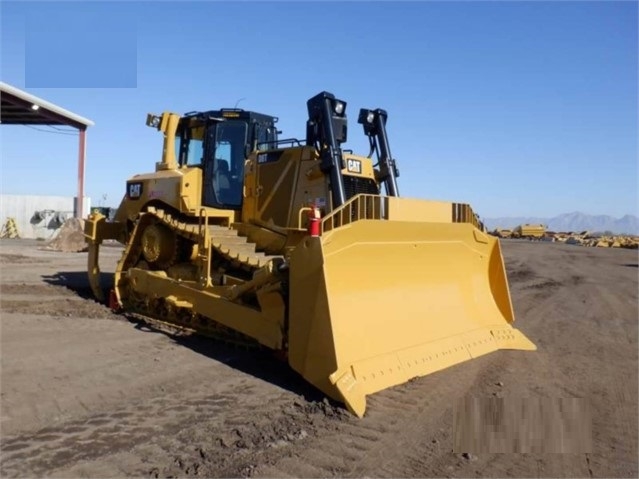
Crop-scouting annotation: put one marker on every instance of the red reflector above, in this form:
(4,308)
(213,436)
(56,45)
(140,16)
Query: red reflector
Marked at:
(113,301)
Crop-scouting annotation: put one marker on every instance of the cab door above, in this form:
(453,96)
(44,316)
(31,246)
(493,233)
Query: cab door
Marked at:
(224,165)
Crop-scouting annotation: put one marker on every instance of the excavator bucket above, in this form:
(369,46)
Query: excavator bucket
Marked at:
(376,302)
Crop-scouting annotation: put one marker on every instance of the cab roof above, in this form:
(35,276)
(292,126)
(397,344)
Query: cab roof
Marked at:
(231,114)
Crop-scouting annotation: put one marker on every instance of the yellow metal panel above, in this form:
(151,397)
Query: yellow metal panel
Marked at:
(311,345)
(179,188)
(407,209)
(375,303)
(168,126)
(381,372)
(359,166)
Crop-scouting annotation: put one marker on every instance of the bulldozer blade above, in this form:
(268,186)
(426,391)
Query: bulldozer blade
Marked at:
(377,303)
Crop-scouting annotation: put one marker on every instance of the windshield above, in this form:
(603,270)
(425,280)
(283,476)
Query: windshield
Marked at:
(227,157)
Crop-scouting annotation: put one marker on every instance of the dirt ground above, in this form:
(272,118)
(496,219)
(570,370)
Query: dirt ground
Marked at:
(86,393)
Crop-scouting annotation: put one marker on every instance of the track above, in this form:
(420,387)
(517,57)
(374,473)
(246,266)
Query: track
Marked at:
(93,395)
(218,250)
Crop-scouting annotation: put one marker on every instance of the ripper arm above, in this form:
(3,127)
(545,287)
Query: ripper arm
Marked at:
(96,230)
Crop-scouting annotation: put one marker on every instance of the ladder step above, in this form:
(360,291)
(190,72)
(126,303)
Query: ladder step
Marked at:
(221,231)
(232,240)
(243,248)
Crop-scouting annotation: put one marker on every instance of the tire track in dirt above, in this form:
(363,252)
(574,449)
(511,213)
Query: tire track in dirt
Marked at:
(34,290)
(582,334)
(50,300)
(9,258)
(615,329)
(257,430)
(417,441)
(56,307)
(401,424)
(102,434)
(178,432)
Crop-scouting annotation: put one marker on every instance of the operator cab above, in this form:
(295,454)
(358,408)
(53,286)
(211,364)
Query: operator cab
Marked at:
(218,142)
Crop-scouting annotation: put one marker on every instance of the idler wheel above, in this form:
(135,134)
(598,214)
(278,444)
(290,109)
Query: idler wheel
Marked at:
(159,245)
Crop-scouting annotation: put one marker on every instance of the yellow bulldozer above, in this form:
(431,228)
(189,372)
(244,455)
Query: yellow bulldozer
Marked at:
(307,249)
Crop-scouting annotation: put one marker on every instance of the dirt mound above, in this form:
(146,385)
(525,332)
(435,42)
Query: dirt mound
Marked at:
(70,238)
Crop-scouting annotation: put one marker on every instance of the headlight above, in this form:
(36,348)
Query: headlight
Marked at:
(339,107)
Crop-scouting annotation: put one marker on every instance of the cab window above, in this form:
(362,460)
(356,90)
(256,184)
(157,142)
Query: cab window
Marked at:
(265,137)
(189,148)
(228,162)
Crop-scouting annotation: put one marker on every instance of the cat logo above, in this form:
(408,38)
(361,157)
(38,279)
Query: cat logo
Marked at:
(354,166)
(134,190)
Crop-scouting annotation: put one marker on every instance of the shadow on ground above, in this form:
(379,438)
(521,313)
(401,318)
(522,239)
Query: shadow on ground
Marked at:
(259,362)
(78,282)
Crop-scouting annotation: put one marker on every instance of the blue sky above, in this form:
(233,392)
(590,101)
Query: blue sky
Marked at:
(519,108)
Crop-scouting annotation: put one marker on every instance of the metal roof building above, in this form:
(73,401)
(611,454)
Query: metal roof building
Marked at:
(17,107)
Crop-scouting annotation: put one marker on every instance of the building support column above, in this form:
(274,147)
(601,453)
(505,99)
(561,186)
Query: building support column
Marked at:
(79,205)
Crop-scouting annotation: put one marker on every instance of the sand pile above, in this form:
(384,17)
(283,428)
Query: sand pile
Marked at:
(70,238)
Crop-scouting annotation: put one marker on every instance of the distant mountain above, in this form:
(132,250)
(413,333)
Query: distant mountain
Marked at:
(628,224)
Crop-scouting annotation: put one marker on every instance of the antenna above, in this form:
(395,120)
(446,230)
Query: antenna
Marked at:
(238,102)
